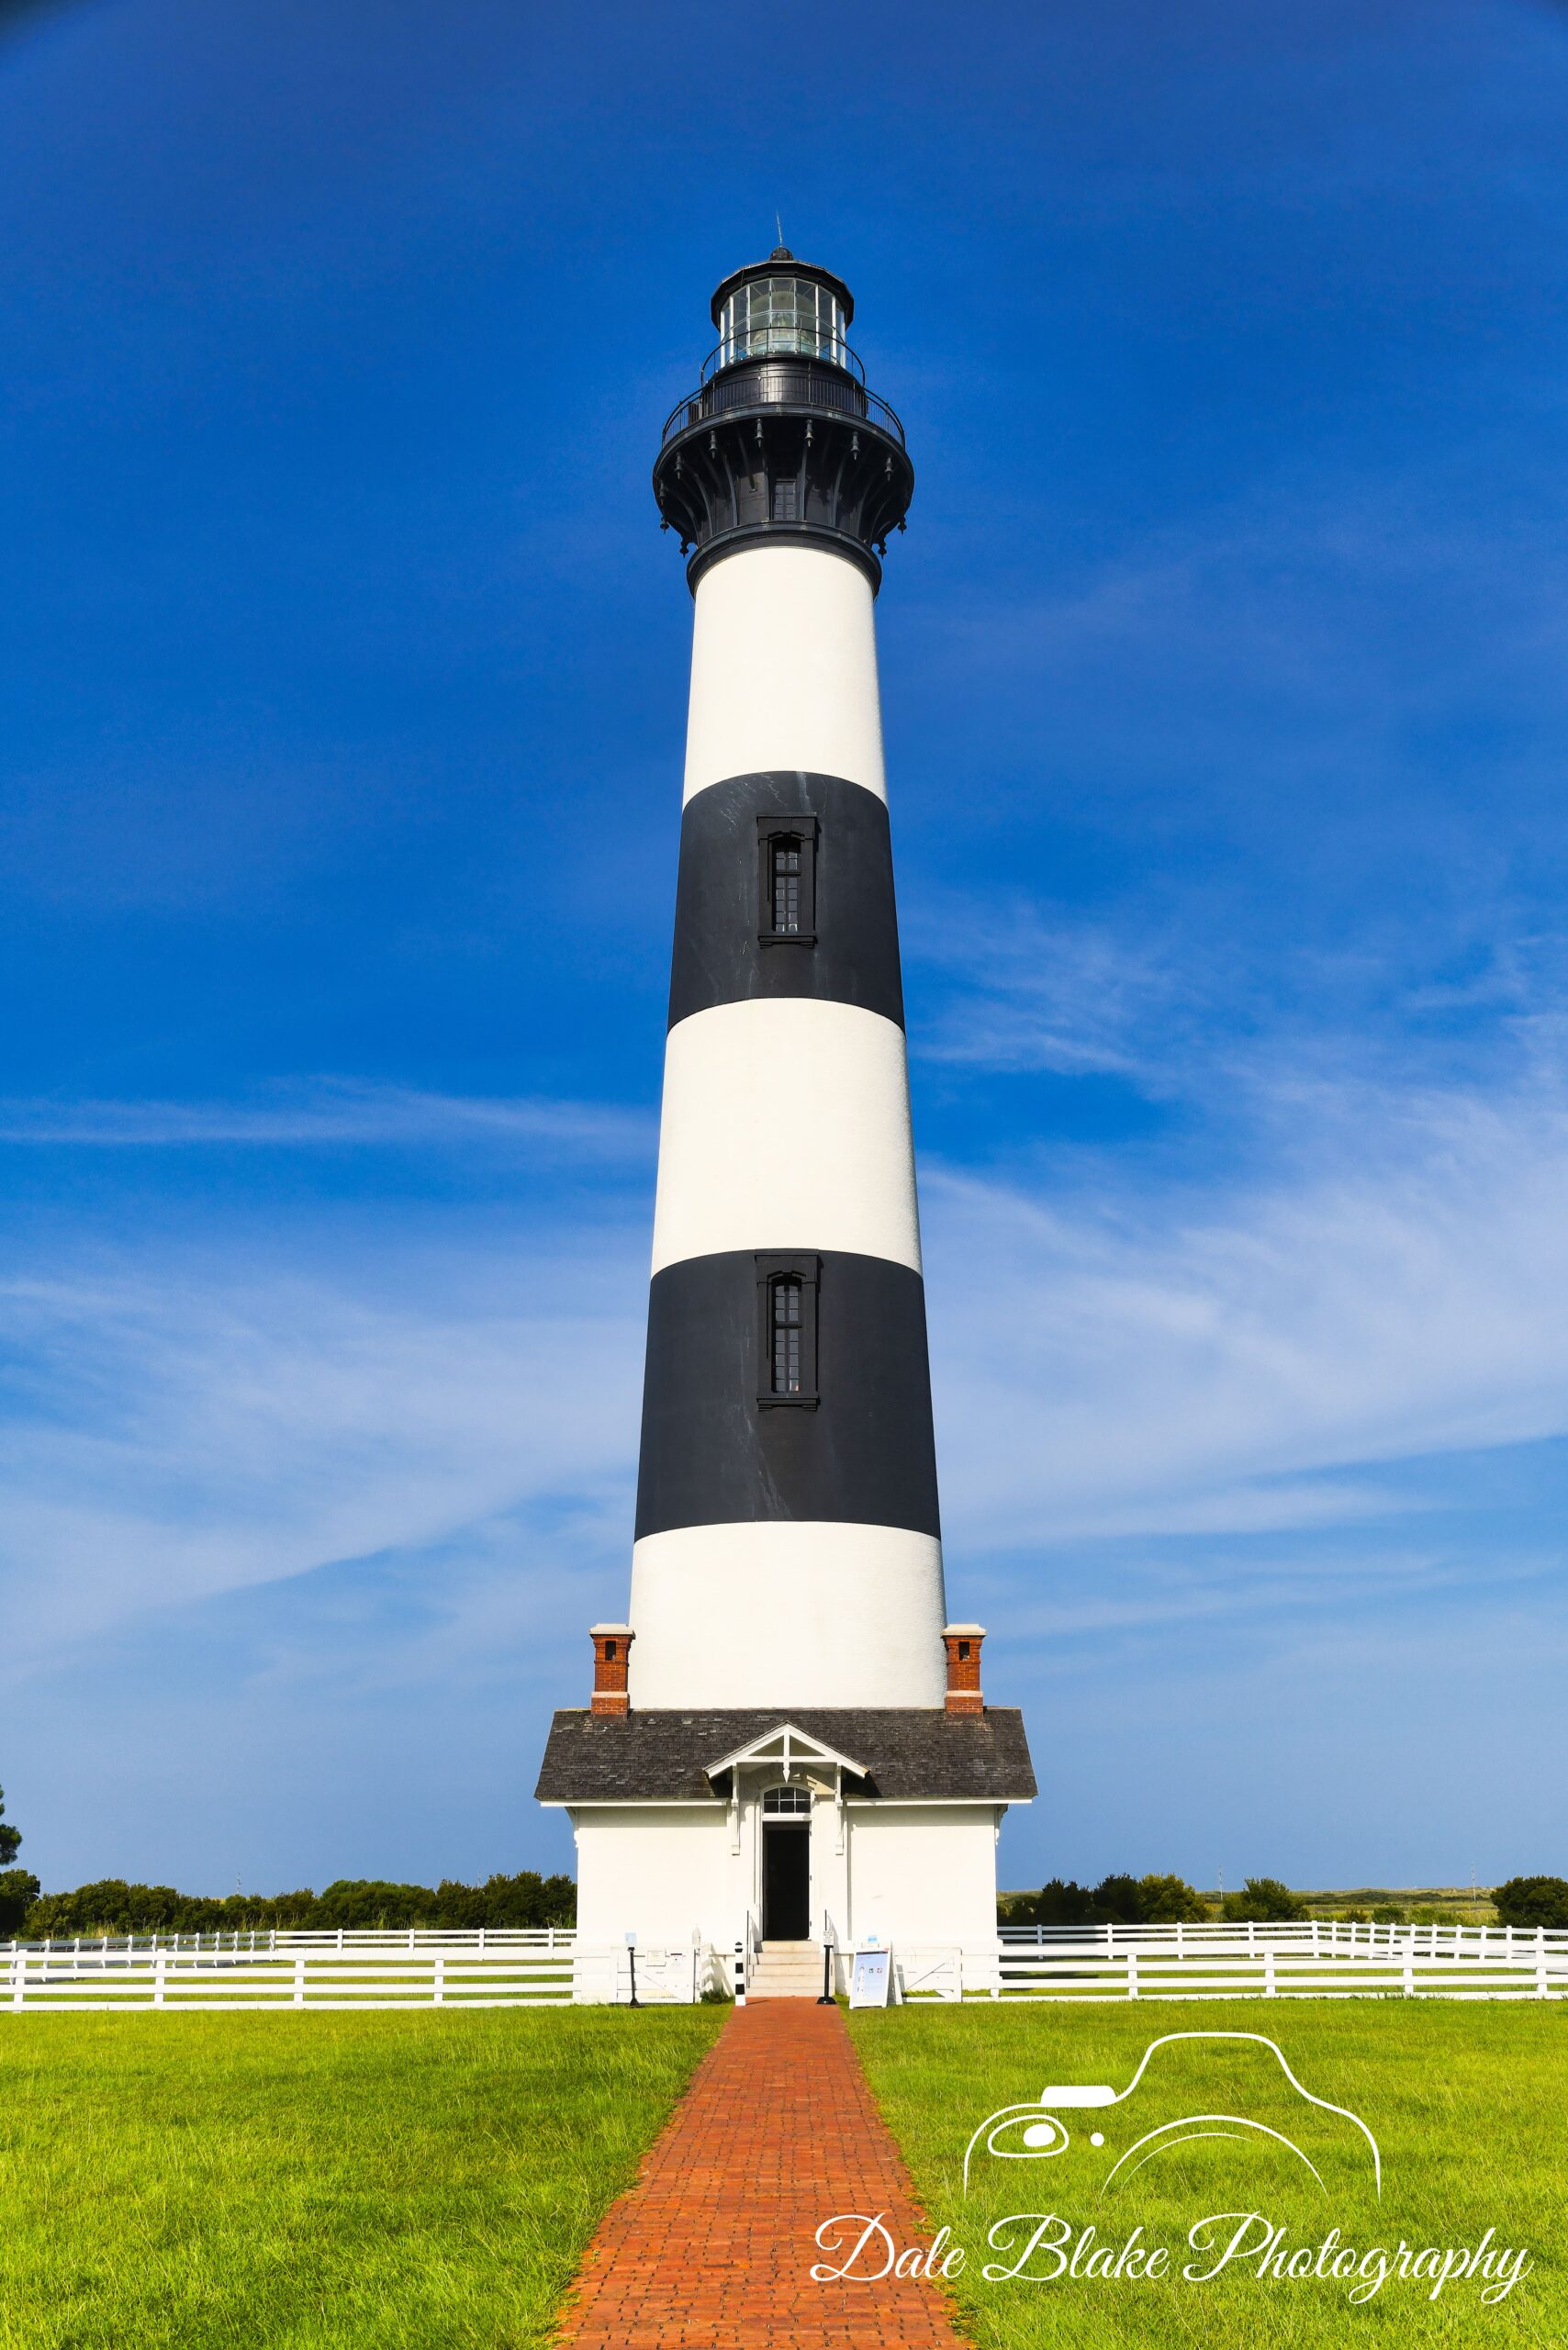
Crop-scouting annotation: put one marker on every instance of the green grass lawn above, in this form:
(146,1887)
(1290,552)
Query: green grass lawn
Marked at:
(1468,2103)
(266,2181)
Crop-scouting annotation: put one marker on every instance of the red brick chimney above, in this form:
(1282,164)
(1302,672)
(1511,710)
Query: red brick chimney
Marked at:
(962,1642)
(611,1644)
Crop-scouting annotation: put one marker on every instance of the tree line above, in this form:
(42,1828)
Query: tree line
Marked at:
(1264,1900)
(111,1906)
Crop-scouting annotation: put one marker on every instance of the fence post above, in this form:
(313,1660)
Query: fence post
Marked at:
(1271,1988)
(160,1966)
(439,1983)
(1410,1972)
(18,1976)
(300,1980)
(1132,1974)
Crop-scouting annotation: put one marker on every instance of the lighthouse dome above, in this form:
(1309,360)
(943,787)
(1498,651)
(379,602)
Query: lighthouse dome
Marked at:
(782,307)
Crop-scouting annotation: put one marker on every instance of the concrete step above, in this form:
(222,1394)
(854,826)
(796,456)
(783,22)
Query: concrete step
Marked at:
(787,1970)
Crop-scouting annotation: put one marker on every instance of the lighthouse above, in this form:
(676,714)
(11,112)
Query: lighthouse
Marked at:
(786,1742)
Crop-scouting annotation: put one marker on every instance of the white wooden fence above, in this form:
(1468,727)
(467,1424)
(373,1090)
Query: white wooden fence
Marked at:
(367,1972)
(492,1968)
(1316,1959)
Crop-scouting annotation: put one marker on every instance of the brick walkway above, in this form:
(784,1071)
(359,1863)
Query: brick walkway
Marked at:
(713,2248)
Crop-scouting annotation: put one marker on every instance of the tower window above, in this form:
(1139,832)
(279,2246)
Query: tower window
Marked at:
(785,850)
(787,1299)
(787,872)
(785,1291)
(609,1651)
(963,1651)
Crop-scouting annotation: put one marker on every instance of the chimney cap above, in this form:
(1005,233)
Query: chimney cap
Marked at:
(970,1631)
(596,1630)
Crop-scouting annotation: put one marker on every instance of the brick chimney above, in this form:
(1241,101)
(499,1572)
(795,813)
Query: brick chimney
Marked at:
(962,1642)
(611,1644)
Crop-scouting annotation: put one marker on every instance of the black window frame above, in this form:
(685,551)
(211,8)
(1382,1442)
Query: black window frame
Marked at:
(772,1267)
(770,829)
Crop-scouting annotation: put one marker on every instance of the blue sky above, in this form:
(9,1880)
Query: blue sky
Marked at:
(1226,709)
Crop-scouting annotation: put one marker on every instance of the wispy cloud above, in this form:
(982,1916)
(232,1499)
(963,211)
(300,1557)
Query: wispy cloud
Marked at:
(1034,989)
(177,1428)
(335,1111)
(1110,1363)
(1113,1362)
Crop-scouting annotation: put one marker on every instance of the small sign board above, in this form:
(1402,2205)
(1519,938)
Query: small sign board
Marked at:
(870,1978)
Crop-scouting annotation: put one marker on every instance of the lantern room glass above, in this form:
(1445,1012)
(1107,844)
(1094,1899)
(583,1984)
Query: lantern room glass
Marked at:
(772,315)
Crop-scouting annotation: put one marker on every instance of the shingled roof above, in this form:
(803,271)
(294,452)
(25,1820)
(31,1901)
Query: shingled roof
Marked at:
(911,1754)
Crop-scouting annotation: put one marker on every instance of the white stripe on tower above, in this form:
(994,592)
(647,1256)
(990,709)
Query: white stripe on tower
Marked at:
(841,1176)
(785,1556)
(784,669)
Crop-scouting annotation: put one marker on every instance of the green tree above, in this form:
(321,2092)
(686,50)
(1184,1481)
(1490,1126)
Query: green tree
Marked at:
(18,1891)
(1265,1901)
(1170,1900)
(1532,1901)
(1055,1904)
(10,1838)
(1119,1900)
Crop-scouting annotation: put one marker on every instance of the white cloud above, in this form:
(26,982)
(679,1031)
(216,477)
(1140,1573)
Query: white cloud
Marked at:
(1397,1286)
(182,1428)
(335,1111)
(1041,992)
(1242,1361)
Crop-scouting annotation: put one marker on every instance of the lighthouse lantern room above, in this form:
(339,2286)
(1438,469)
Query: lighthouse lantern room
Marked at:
(786,1742)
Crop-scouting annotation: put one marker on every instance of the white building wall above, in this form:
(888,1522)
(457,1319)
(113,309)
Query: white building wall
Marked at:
(915,1876)
(660,1871)
(923,1873)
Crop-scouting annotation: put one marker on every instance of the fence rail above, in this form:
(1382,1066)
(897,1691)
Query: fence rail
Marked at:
(1270,1973)
(61,1980)
(1333,1937)
(1225,1960)
(550,1967)
(265,1943)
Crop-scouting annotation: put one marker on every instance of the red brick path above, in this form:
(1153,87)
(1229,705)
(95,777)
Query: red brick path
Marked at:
(713,2248)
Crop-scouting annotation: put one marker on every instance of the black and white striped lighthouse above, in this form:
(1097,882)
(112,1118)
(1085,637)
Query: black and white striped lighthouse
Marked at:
(786,1739)
(787,1485)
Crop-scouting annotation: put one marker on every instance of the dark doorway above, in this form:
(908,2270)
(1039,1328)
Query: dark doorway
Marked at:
(786,1882)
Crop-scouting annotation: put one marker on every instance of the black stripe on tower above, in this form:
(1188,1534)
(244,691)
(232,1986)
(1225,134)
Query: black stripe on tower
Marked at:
(729,945)
(712,1452)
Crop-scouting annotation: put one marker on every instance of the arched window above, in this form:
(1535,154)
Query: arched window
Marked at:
(786,1288)
(786,1319)
(786,878)
(787,913)
(787,1803)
